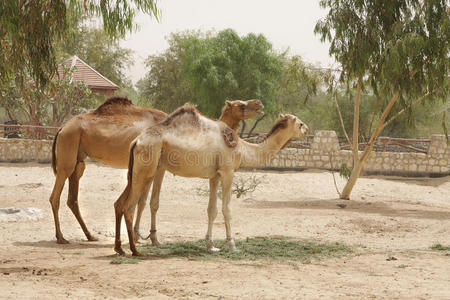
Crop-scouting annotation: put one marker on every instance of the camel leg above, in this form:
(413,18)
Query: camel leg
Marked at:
(140,210)
(212,213)
(118,208)
(154,204)
(125,206)
(227,181)
(141,178)
(138,190)
(128,215)
(72,199)
(54,201)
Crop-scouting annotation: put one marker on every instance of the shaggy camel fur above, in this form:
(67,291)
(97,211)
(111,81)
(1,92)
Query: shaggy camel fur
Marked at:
(190,145)
(105,135)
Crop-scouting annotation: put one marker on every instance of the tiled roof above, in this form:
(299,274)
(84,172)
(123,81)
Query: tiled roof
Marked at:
(86,73)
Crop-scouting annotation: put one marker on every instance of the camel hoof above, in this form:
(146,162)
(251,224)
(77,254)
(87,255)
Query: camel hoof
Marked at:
(119,251)
(62,241)
(213,249)
(92,239)
(235,250)
(156,243)
(137,253)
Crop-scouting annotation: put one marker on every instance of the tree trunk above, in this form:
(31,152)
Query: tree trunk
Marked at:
(356,122)
(360,162)
(243,128)
(254,125)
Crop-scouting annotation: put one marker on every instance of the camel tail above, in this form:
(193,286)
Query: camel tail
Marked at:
(131,163)
(54,152)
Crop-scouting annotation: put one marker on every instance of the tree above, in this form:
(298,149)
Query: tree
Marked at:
(50,105)
(99,51)
(227,66)
(299,82)
(97,48)
(30,29)
(164,86)
(396,49)
(207,69)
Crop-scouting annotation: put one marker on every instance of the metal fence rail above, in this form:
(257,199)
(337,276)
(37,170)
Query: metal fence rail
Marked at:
(389,144)
(382,144)
(27,131)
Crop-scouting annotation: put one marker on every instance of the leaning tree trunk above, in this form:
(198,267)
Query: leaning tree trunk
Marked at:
(360,162)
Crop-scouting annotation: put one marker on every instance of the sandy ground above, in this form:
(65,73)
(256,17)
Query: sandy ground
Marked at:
(388,216)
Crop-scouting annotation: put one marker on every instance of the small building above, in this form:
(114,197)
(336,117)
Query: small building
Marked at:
(95,81)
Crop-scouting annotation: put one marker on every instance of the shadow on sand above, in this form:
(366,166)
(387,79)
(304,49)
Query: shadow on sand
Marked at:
(364,207)
(421,181)
(72,245)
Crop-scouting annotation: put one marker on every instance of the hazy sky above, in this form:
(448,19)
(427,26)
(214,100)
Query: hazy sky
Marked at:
(285,23)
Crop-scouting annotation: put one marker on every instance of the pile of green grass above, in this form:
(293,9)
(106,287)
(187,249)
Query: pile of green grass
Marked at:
(440,247)
(284,249)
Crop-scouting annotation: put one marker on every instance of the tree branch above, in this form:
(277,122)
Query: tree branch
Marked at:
(341,119)
(254,125)
(409,106)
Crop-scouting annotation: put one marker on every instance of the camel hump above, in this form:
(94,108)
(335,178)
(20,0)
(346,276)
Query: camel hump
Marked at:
(185,113)
(111,103)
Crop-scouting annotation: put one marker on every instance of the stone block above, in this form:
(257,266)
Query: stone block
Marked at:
(443,163)
(413,167)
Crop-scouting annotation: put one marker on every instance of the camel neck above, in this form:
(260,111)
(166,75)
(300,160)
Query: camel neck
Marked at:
(230,121)
(254,155)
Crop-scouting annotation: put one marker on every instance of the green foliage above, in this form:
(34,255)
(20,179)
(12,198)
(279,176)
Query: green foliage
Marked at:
(122,260)
(99,51)
(208,69)
(400,45)
(30,29)
(299,82)
(164,87)
(49,105)
(440,247)
(259,248)
(345,171)
(227,66)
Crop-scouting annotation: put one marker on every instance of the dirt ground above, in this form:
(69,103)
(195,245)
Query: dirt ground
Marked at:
(387,217)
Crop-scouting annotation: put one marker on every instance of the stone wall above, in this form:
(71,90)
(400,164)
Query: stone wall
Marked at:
(23,150)
(325,153)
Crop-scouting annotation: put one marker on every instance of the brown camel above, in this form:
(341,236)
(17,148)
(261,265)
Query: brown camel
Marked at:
(105,135)
(190,145)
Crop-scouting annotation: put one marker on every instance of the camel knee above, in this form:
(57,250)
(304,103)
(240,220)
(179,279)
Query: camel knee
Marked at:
(54,201)
(79,169)
(154,206)
(71,203)
(118,208)
(212,212)
(226,213)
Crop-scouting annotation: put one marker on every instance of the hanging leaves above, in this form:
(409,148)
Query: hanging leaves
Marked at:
(30,29)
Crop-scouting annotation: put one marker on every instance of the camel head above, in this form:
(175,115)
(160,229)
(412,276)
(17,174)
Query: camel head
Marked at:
(243,110)
(293,126)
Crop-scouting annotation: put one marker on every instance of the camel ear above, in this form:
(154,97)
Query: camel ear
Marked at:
(228,103)
(282,116)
